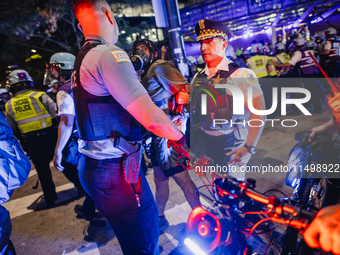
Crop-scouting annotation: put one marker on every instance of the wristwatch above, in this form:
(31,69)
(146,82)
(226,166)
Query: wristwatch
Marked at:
(250,148)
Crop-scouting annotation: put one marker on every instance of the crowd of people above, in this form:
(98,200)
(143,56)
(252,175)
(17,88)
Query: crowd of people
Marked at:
(102,154)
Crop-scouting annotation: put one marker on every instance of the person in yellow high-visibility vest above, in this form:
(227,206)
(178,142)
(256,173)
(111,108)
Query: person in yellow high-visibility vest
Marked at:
(271,70)
(32,114)
(258,63)
(282,58)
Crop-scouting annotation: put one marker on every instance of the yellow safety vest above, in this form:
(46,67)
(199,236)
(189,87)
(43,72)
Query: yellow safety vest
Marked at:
(270,62)
(258,65)
(283,57)
(29,112)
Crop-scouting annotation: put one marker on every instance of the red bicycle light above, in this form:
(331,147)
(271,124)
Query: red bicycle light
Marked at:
(204,228)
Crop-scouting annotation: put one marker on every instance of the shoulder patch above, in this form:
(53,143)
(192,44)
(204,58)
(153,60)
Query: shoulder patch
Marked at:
(62,94)
(120,56)
(249,77)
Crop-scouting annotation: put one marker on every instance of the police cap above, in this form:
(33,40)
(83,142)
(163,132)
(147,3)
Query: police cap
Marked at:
(207,29)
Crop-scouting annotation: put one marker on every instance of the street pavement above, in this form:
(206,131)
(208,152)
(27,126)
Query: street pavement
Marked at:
(58,231)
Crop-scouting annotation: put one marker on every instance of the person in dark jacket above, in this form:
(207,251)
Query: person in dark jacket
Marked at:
(169,90)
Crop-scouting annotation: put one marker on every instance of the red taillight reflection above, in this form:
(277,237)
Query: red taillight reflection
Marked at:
(204,228)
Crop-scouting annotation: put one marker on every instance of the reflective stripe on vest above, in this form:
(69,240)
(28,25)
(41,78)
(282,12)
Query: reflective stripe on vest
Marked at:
(283,57)
(257,64)
(307,65)
(335,48)
(29,112)
(270,61)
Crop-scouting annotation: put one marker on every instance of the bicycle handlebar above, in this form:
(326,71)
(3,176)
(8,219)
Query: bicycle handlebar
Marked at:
(296,216)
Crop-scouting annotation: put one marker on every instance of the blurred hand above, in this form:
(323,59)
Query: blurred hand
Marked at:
(239,153)
(327,128)
(315,131)
(324,231)
(182,97)
(57,161)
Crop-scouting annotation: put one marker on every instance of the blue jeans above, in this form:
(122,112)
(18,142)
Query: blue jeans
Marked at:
(135,227)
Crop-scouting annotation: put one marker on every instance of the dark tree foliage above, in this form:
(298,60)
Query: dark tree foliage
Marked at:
(49,26)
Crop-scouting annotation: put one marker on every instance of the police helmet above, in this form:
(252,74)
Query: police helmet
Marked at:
(64,59)
(280,46)
(19,79)
(139,59)
(299,41)
(256,48)
(61,65)
(3,91)
(310,44)
(265,50)
(331,31)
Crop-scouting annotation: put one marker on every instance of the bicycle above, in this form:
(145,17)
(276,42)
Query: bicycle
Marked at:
(225,227)
(238,213)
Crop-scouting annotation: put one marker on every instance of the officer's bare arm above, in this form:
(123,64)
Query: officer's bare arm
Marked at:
(153,118)
(255,132)
(64,132)
(282,65)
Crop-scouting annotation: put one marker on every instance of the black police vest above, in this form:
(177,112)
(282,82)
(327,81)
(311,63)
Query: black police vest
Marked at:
(100,117)
(307,65)
(219,104)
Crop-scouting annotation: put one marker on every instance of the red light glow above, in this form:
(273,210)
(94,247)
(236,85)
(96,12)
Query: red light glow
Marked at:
(203,230)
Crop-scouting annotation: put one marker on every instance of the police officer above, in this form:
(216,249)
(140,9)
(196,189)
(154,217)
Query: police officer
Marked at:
(223,137)
(304,67)
(66,154)
(33,114)
(257,62)
(60,68)
(110,103)
(281,58)
(169,90)
(329,57)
